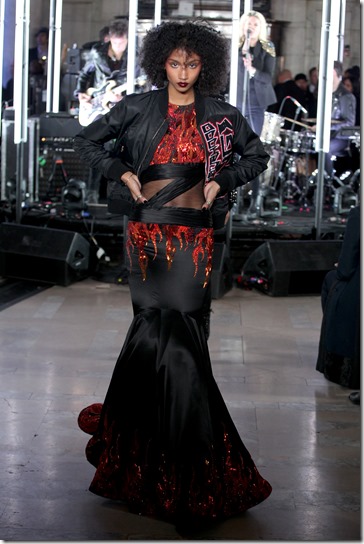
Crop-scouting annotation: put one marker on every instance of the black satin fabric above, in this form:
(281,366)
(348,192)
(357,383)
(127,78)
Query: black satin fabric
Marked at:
(165,442)
(189,171)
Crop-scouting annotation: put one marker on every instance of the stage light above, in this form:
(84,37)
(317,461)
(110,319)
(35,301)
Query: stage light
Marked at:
(74,195)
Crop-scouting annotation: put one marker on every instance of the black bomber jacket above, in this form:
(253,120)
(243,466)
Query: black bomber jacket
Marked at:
(234,153)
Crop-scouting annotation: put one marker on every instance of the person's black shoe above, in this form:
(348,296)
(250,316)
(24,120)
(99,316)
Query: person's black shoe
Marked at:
(355,397)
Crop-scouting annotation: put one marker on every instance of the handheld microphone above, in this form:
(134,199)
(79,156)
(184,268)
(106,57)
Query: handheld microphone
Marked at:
(298,104)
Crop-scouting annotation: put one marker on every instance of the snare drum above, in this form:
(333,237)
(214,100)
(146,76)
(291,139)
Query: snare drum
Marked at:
(271,128)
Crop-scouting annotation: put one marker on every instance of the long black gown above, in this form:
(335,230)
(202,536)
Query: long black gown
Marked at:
(164,441)
(339,348)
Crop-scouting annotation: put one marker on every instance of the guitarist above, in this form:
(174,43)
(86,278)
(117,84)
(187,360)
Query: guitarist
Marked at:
(106,61)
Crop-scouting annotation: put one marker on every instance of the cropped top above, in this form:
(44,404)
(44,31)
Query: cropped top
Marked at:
(182,142)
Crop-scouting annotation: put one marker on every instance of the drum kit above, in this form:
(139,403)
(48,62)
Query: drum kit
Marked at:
(292,169)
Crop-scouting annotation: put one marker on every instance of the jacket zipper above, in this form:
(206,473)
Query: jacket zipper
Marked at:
(150,145)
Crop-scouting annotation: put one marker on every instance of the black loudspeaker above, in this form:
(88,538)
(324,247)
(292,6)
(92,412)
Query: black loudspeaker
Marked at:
(58,161)
(58,126)
(221,275)
(44,255)
(281,268)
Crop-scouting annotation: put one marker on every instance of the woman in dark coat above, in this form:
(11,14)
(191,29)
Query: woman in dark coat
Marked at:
(339,348)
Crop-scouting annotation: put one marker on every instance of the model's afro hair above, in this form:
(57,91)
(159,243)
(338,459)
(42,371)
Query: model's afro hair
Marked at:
(197,37)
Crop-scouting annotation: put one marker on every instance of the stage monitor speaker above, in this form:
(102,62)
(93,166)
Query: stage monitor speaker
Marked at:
(281,268)
(221,275)
(43,255)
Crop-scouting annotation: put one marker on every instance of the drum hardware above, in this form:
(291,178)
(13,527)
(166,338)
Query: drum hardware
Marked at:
(355,181)
(270,136)
(344,200)
(309,195)
(291,189)
(349,132)
(340,193)
(272,125)
(297,122)
(269,202)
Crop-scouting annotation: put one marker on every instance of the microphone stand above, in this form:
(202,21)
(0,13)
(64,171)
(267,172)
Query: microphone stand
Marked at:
(237,216)
(245,83)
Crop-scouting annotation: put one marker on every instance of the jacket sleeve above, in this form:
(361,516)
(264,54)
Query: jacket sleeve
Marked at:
(345,113)
(89,143)
(251,159)
(85,79)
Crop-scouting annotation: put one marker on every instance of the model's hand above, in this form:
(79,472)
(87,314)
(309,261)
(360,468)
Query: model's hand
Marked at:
(210,192)
(133,184)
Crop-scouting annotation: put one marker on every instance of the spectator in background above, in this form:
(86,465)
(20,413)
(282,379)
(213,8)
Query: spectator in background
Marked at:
(310,102)
(339,348)
(288,96)
(313,81)
(38,55)
(38,64)
(352,84)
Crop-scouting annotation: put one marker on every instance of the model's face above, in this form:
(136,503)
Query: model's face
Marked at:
(183,70)
(252,25)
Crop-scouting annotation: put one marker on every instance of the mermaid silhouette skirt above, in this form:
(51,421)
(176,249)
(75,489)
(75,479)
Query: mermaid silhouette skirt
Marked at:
(163,440)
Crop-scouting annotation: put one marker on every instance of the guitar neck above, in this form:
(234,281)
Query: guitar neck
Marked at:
(98,95)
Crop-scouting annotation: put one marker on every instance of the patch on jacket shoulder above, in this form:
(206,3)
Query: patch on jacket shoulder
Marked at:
(269,47)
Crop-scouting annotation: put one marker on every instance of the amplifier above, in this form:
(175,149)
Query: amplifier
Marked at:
(58,125)
(57,161)
(57,165)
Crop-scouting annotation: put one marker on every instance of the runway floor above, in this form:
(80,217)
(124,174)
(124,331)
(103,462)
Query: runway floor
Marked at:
(58,350)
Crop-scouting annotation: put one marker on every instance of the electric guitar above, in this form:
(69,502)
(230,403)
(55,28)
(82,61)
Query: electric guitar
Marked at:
(100,102)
